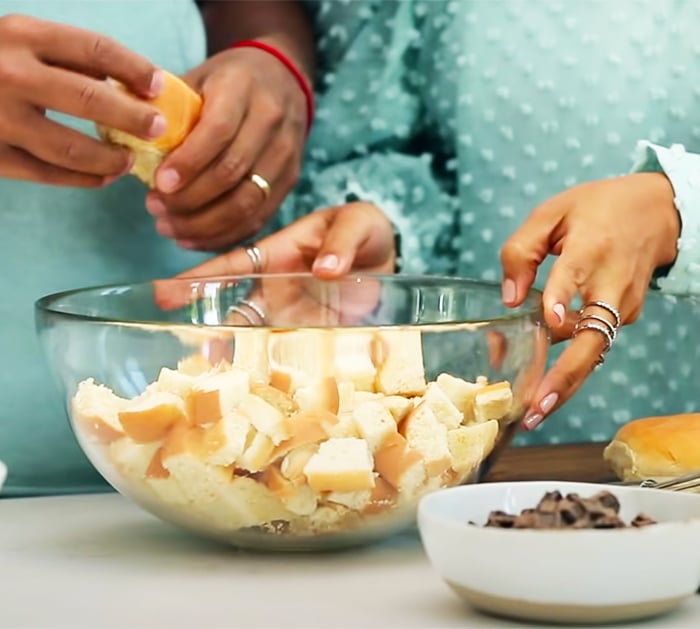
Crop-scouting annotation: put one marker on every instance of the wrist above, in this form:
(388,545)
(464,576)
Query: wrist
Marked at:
(662,195)
(294,68)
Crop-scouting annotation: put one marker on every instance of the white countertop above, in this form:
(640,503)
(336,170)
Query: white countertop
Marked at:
(98,561)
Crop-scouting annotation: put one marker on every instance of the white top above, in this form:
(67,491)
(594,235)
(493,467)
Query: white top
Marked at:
(98,561)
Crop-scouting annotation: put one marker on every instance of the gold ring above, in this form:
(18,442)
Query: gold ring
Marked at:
(262,184)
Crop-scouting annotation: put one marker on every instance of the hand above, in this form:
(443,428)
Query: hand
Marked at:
(610,236)
(253,121)
(330,243)
(46,66)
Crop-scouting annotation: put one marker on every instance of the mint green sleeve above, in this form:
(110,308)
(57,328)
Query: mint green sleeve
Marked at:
(683,171)
(370,110)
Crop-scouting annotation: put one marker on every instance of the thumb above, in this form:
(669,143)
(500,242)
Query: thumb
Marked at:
(351,228)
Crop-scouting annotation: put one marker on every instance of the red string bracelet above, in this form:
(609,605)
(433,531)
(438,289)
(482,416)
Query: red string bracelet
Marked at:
(301,79)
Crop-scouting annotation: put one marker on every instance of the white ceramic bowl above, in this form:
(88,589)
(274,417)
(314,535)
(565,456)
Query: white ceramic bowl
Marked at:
(3,474)
(587,576)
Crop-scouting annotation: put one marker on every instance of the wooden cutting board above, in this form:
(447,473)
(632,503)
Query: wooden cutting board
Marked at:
(582,462)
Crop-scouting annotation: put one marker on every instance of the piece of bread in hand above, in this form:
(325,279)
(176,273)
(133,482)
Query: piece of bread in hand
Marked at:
(658,448)
(181,107)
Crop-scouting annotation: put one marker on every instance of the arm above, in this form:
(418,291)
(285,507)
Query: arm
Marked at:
(254,121)
(280,23)
(683,172)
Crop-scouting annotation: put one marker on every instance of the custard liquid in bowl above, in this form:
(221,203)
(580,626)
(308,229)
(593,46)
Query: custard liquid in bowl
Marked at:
(287,412)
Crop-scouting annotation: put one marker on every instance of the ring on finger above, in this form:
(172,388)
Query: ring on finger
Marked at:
(243,313)
(245,307)
(601,329)
(256,257)
(605,306)
(597,328)
(255,308)
(262,184)
(592,317)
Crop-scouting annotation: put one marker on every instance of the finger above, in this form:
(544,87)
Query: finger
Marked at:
(245,210)
(571,271)
(256,130)
(218,124)
(17,164)
(497,346)
(566,376)
(564,331)
(68,148)
(352,228)
(222,224)
(235,262)
(239,214)
(526,249)
(95,54)
(92,99)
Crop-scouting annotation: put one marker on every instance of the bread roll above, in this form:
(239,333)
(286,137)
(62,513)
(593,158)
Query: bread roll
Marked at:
(181,106)
(656,447)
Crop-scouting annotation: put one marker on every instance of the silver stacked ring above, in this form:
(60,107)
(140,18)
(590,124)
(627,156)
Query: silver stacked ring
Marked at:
(255,255)
(598,323)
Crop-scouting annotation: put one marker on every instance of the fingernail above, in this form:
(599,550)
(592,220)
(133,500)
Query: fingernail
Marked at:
(155,206)
(532,420)
(129,164)
(165,229)
(326,263)
(109,180)
(157,83)
(508,291)
(186,244)
(167,180)
(548,402)
(158,126)
(560,312)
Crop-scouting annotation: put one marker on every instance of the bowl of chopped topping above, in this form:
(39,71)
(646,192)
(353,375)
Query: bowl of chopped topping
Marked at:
(564,552)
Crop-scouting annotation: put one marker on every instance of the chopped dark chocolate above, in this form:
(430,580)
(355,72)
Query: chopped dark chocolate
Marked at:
(554,511)
(607,500)
(500,519)
(642,520)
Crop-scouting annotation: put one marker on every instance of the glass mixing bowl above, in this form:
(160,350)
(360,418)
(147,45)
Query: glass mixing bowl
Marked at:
(288,412)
